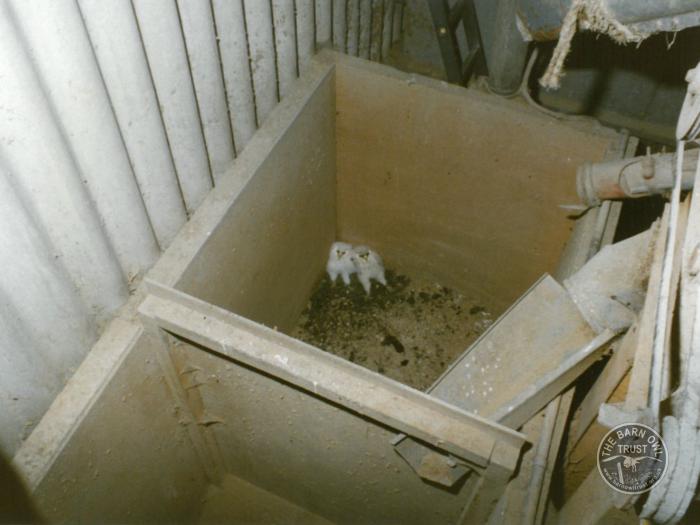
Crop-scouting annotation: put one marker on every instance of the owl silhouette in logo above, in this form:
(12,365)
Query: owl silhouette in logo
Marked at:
(629,462)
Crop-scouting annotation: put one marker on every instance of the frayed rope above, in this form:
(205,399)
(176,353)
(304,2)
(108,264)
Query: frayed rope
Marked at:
(591,15)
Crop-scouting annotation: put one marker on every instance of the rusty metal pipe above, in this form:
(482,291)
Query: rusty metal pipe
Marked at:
(632,178)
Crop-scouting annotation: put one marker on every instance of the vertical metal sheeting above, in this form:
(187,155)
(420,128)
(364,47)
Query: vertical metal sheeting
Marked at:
(285,44)
(258,17)
(305,32)
(164,43)
(339,24)
(233,48)
(203,52)
(353,23)
(52,31)
(324,14)
(121,59)
(376,30)
(397,22)
(387,27)
(40,163)
(118,118)
(44,325)
(365,38)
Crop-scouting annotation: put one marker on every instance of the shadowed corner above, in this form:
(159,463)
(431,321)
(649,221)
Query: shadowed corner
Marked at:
(15,501)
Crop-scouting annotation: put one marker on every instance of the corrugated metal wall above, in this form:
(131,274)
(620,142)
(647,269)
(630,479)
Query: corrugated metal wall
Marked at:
(117,117)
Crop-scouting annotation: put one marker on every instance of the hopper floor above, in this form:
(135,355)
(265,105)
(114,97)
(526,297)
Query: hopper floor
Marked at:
(410,330)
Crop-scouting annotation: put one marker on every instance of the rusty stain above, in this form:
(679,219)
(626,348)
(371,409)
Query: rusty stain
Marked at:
(613,191)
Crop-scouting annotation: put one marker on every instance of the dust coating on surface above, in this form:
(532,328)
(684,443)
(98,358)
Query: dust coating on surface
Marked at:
(238,501)
(410,330)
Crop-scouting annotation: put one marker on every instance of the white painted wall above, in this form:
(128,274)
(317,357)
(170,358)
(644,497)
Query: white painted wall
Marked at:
(118,117)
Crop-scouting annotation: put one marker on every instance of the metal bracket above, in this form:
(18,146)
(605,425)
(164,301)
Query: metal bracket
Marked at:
(447,20)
